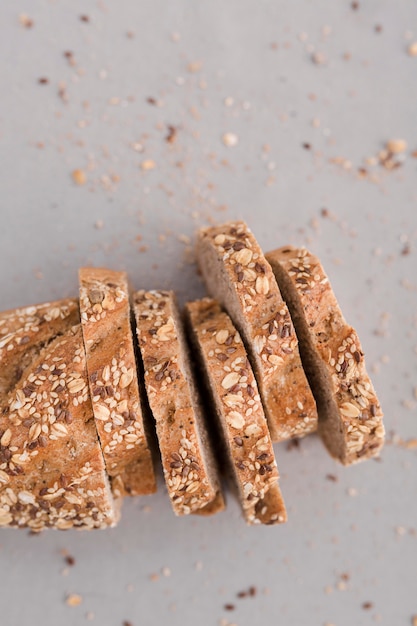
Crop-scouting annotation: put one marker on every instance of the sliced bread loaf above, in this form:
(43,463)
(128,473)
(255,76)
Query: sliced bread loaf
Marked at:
(113,380)
(241,419)
(350,416)
(239,277)
(52,473)
(187,459)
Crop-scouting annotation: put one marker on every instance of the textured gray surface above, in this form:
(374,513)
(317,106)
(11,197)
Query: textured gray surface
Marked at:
(258,57)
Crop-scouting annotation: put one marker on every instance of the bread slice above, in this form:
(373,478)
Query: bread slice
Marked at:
(113,380)
(239,277)
(350,416)
(187,459)
(25,331)
(52,473)
(241,419)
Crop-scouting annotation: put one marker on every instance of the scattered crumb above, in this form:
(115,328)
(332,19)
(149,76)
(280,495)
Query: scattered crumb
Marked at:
(332,478)
(414,620)
(367,606)
(99,224)
(198,566)
(400,531)
(319,58)
(230,140)
(25,20)
(148,164)
(412,49)
(89,616)
(351,491)
(166,572)
(73,599)
(154,578)
(194,67)
(84,18)
(127,623)
(171,135)
(130,588)
(396,146)
(43,80)
(251,592)
(354,6)
(79,177)
(229,607)
(69,560)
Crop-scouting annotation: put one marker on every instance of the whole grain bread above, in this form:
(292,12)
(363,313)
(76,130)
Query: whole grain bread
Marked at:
(239,277)
(350,416)
(241,419)
(52,473)
(189,467)
(113,380)
(25,331)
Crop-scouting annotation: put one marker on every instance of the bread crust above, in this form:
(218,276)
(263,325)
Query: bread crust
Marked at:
(113,381)
(350,421)
(239,409)
(26,330)
(52,472)
(238,275)
(187,461)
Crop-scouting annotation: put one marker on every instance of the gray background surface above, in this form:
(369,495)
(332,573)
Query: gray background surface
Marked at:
(214,67)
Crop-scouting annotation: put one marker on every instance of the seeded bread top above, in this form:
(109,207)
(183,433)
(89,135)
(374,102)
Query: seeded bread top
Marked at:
(188,464)
(238,406)
(24,330)
(344,389)
(52,472)
(238,275)
(111,365)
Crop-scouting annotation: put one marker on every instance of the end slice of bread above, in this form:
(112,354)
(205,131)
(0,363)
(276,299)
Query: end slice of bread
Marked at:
(241,419)
(189,466)
(52,472)
(350,416)
(113,381)
(240,278)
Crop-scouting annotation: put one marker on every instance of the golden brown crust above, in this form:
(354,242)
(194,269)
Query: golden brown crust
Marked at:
(52,472)
(111,365)
(25,330)
(265,325)
(334,348)
(238,405)
(191,481)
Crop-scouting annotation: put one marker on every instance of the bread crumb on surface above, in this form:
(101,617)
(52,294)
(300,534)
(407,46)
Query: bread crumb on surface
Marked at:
(319,58)
(230,140)
(148,164)
(396,146)
(25,20)
(73,599)
(79,177)
(412,49)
